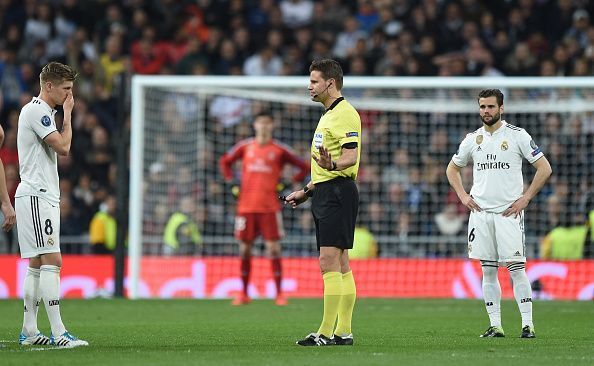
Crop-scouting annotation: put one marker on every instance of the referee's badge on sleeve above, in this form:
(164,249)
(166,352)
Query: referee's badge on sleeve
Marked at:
(46,121)
(318,139)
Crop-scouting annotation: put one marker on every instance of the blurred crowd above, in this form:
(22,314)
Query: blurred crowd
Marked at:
(109,41)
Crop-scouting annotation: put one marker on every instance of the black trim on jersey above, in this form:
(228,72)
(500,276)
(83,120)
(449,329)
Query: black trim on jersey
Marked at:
(33,220)
(334,104)
(49,134)
(36,221)
(350,145)
(516,128)
(39,221)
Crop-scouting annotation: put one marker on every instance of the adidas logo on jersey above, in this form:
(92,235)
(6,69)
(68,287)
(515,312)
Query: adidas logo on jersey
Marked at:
(517,254)
(479,149)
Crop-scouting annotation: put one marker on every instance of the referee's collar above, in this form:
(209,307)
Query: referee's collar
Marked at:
(334,104)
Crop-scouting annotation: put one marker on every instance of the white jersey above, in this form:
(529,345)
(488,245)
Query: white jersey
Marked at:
(497,172)
(38,162)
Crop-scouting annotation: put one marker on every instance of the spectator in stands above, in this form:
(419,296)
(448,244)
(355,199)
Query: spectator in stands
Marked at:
(195,26)
(38,27)
(111,64)
(147,58)
(71,228)
(182,234)
(103,228)
(296,13)
(579,27)
(83,192)
(387,21)
(258,16)
(348,38)
(420,198)
(12,84)
(99,156)
(450,221)
(227,62)
(112,22)
(398,170)
(140,20)
(521,62)
(263,63)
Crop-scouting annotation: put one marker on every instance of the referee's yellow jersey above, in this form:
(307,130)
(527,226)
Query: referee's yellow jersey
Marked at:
(340,124)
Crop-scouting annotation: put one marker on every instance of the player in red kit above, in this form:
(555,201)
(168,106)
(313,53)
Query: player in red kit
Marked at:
(258,208)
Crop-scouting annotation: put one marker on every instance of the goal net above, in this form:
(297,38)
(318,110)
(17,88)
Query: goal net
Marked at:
(411,128)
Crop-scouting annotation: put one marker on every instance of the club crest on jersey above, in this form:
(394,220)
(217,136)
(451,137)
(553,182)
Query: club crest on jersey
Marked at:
(533,145)
(504,145)
(479,139)
(46,121)
(50,241)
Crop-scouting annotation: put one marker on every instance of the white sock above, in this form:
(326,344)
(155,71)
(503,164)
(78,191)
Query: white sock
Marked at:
(522,291)
(31,299)
(49,286)
(492,292)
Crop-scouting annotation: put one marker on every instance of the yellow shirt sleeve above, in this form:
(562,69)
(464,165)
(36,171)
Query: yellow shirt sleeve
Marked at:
(97,231)
(347,131)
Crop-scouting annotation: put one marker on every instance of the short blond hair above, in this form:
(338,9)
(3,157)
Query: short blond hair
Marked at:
(58,73)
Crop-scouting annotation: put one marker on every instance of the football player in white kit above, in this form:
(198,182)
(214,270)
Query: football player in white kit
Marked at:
(37,202)
(497,203)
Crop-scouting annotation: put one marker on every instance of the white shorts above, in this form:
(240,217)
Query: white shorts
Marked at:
(494,237)
(38,226)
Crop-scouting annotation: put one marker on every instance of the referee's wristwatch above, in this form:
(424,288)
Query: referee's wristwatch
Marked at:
(308,192)
(333,166)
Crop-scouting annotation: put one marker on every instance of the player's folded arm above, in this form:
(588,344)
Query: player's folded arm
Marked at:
(57,142)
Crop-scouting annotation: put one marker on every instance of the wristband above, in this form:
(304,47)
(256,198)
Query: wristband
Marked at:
(333,166)
(308,192)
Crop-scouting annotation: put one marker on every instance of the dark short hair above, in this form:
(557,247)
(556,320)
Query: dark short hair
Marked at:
(264,114)
(486,93)
(57,73)
(330,69)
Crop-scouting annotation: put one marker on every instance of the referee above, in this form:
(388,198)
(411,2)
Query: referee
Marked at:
(335,157)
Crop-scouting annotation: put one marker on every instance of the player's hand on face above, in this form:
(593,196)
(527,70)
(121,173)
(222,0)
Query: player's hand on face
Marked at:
(516,207)
(296,198)
(325,159)
(468,201)
(68,103)
(9,217)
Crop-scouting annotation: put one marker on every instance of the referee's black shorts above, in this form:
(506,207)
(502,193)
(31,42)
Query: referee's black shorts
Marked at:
(335,205)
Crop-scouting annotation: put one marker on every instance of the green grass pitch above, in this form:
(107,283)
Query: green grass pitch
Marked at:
(387,332)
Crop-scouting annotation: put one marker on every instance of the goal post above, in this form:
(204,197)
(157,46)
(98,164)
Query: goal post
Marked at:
(180,125)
